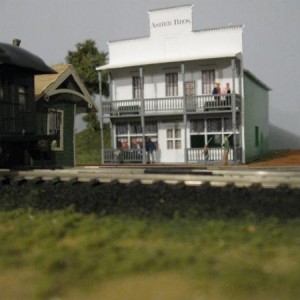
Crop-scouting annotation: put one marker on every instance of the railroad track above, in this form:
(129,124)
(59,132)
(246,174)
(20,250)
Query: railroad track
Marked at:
(191,176)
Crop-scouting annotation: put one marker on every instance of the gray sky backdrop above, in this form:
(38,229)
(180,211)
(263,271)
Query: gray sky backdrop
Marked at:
(271,40)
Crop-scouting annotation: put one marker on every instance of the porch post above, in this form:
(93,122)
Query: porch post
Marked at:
(109,80)
(141,70)
(184,113)
(233,107)
(101,116)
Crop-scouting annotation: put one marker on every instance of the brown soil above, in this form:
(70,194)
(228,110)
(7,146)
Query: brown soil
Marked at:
(279,158)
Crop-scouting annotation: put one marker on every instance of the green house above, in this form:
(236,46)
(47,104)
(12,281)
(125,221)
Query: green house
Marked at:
(59,98)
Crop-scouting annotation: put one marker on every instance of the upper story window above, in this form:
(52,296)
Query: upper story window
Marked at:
(208,81)
(171,84)
(189,88)
(136,87)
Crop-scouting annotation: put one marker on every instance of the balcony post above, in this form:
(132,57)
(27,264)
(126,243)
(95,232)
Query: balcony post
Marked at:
(142,112)
(184,113)
(101,116)
(109,81)
(233,107)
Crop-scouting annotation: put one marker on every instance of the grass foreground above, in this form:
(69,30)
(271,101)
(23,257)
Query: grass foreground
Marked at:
(69,255)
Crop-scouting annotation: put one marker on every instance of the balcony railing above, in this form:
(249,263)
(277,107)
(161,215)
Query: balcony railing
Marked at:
(171,105)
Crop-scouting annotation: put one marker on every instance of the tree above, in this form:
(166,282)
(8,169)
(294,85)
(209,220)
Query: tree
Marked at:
(85,59)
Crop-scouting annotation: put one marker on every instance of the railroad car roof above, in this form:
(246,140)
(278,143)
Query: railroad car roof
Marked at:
(19,57)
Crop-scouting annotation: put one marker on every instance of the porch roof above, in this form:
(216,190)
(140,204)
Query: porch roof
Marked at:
(167,60)
(49,85)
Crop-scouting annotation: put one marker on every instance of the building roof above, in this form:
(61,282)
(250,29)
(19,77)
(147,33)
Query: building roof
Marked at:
(256,79)
(19,57)
(166,60)
(52,84)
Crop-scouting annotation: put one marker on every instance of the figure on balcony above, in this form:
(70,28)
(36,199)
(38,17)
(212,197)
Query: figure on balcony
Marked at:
(228,92)
(217,91)
(150,149)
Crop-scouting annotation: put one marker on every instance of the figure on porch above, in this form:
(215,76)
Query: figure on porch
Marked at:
(150,149)
(226,146)
(206,153)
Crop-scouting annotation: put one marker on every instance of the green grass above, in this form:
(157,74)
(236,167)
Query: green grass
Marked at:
(88,146)
(69,255)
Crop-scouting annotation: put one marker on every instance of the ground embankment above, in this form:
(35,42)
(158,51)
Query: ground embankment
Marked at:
(158,200)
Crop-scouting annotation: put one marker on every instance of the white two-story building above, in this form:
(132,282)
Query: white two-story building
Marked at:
(161,86)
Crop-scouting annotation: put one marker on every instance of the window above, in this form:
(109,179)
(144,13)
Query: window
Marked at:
(197,126)
(55,127)
(214,125)
(256,136)
(171,84)
(121,128)
(214,140)
(136,87)
(189,88)
(23,98)
(135,127)
(211,131)
(1,90)
(227,124)
(129,134)
(151,127)
(208,81)
(174,138)
(122,143)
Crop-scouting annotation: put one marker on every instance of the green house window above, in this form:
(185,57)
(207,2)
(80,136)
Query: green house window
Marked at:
(256,136)
(56,127)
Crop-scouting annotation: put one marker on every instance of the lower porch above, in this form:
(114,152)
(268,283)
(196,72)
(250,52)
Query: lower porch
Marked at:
(194,155)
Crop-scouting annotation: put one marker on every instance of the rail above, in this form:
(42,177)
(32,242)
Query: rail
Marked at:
(171,105)
(188,176)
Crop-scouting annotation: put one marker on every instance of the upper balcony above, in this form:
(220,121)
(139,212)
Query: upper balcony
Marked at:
(172,105)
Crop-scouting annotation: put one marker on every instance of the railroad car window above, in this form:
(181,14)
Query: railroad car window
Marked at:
(1,90)
(23,98)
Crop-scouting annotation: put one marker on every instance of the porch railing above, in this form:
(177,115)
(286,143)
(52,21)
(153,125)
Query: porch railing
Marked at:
(195,155)
(123,156)
(171,105)
(215,154)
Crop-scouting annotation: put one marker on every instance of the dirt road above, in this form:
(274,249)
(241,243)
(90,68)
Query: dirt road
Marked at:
(280,158)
